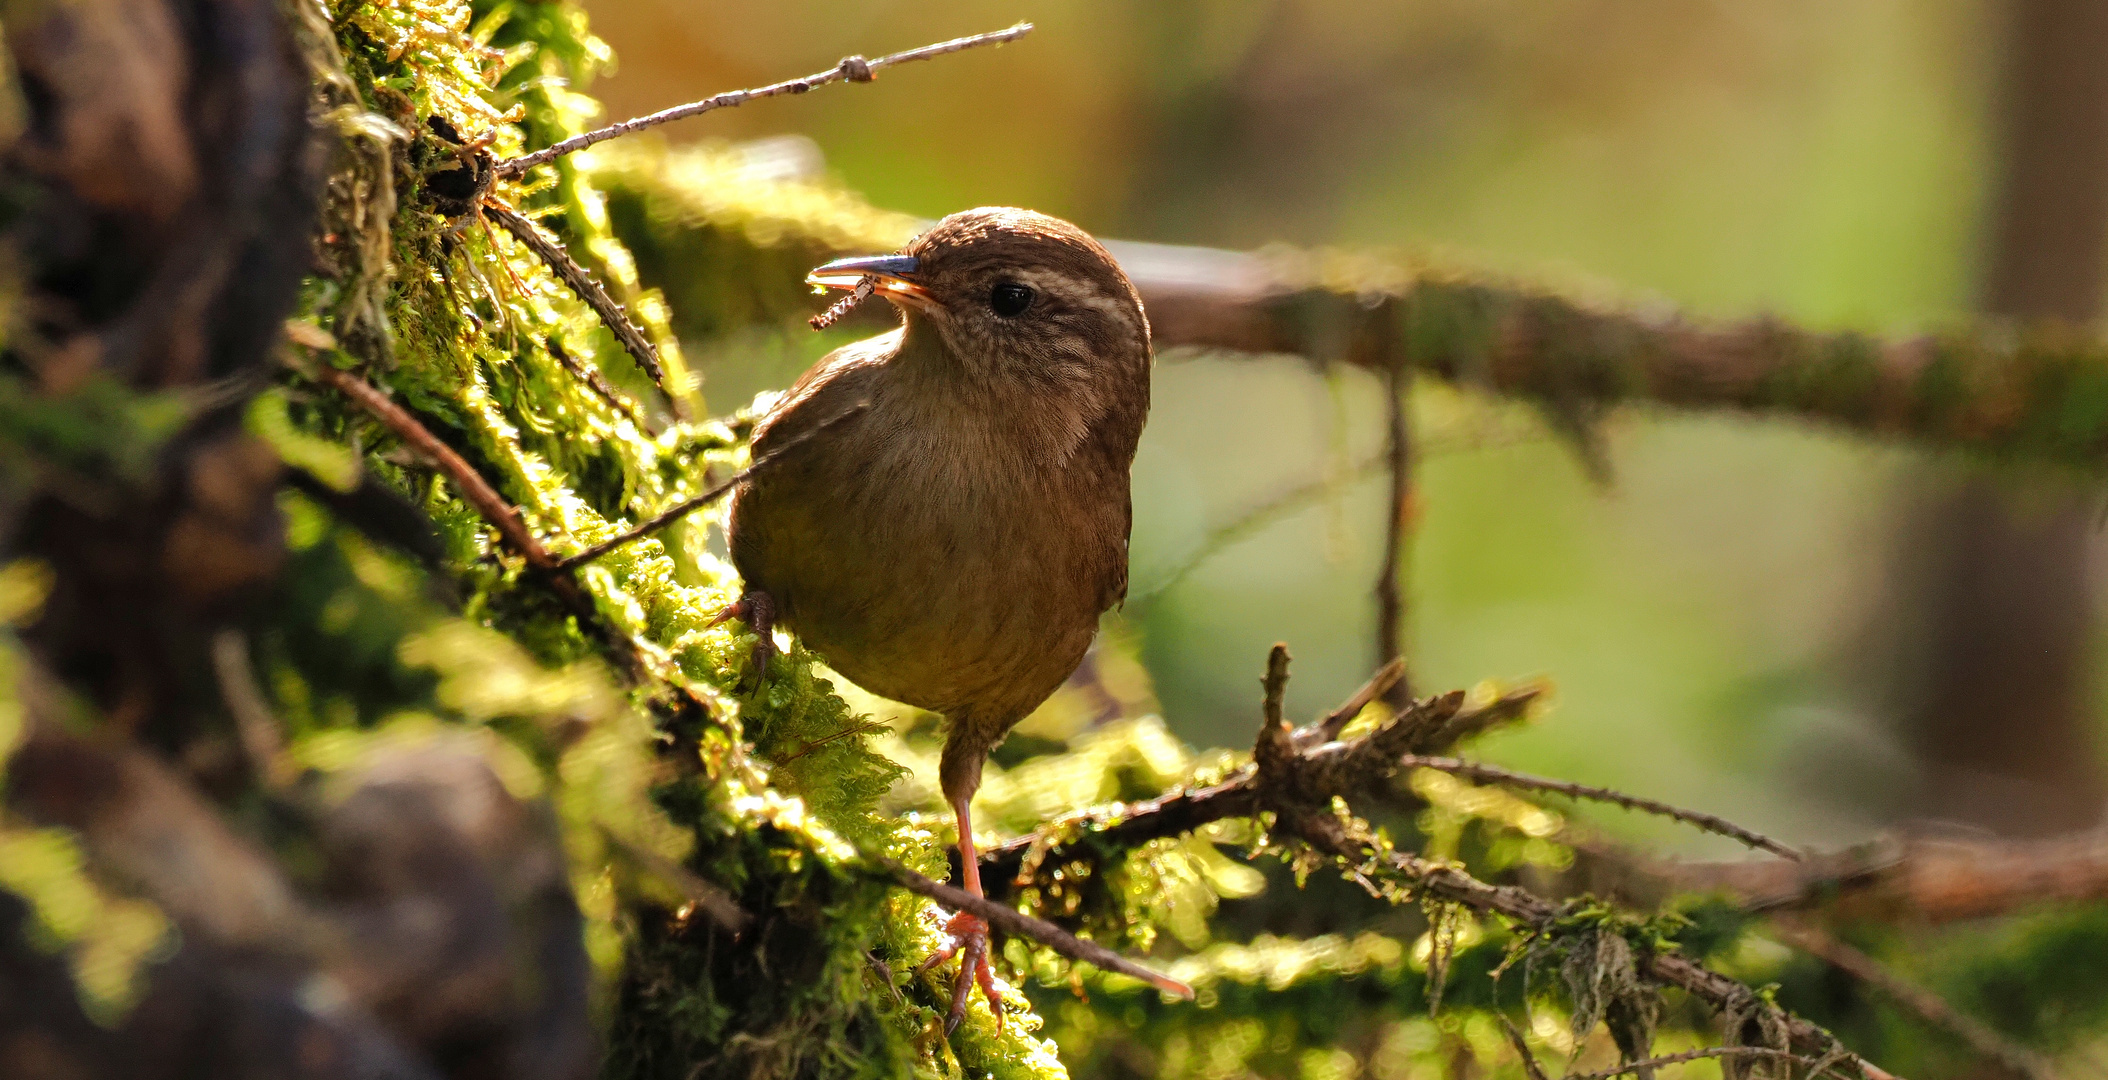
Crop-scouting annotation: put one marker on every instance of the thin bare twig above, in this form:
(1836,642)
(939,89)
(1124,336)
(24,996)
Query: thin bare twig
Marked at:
(477,491)
(1248,524)
(1522,1049)
(1390,595)
(1929,1006)
(854,729)
(635,659)
(1701,1055)
(691,505)
(851,69)
(550,251)
(1336,721)
(598,383)
(1494,774)
(1012,921)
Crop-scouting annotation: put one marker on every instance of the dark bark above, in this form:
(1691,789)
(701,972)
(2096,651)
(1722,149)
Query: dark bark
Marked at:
(159,206)
(1999,706)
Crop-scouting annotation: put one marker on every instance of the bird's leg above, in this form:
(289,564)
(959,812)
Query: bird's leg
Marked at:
(969,934)
(758,611)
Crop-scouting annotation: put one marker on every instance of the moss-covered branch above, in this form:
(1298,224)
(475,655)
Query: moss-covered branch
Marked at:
(2037,393)
(1339,769)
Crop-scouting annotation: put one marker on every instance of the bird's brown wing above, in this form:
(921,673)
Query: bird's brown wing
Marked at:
(1109,452)
(833,384)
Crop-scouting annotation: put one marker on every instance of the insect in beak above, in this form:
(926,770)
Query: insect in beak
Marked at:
(893,275)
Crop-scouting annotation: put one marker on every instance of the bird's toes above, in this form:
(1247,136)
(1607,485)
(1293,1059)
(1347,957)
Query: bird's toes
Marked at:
(969,941)
(973,959)
(984,974)
(758,662)
(758,610)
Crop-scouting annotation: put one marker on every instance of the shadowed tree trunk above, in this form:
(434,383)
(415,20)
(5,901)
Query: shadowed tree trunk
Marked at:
(2001,711)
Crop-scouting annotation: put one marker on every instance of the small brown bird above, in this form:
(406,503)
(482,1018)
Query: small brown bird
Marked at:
(953,544)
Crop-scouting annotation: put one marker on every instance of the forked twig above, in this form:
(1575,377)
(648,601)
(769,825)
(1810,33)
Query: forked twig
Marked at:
(550,251)
(1303,790)
(1012,921)
(1336,721)
(1494,774)
(1182,810)
(691,505)
(851,69)
(1448,882)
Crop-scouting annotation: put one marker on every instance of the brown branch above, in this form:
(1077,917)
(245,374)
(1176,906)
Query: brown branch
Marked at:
(688,506)
(1336,721)
(473,488)
(1299,786)
(1700,1055)
(1494,774)
(1989,389)
(1450,883)
(1390,596)
(1934,880)
(598,383)
(552,252)
(1340,767)
(1530,1066)
(1012,921)
(1929,1006)
(851,69)
(636,660)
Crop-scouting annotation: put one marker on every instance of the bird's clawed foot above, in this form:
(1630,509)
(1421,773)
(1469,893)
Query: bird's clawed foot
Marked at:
(759,613)
(969,934)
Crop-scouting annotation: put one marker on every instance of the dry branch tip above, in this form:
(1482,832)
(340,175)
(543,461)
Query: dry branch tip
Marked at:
(849,69)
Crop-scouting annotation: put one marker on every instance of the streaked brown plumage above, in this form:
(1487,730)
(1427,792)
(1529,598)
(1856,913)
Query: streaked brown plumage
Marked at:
(954,545)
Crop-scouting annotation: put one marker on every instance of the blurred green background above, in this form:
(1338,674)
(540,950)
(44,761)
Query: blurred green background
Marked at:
(1721,621)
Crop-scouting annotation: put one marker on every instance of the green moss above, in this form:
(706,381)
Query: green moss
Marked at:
(634,773)
(779,797)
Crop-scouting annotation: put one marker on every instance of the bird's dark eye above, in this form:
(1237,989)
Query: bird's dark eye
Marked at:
(1010,299)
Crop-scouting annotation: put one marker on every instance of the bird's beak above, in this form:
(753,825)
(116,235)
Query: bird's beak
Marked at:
(893,274)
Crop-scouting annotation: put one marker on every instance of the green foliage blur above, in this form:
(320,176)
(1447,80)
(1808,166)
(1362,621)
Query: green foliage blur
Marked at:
(1707,617)
(1701,616)
(1823,162)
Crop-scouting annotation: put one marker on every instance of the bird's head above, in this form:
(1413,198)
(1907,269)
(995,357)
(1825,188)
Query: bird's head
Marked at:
(1012,294)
